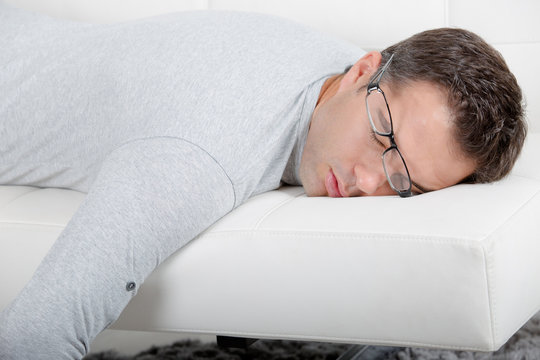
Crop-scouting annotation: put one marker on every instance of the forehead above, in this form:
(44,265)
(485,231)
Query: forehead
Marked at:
(424,133)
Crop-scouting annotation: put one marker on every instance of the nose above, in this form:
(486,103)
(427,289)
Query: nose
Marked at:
(372,180)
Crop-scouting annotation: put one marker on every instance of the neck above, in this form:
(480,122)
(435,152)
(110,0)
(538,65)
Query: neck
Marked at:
(329,88)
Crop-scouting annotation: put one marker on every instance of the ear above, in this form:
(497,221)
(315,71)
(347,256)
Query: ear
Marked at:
(361,71)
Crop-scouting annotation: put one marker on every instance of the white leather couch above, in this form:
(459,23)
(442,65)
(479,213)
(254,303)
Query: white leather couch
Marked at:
(455,269)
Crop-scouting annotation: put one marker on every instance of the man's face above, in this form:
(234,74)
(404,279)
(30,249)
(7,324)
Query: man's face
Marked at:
(342,157)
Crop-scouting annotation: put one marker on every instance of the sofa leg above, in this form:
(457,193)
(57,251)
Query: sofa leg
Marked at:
(234,342)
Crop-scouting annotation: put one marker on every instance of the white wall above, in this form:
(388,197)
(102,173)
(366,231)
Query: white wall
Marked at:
(512,26)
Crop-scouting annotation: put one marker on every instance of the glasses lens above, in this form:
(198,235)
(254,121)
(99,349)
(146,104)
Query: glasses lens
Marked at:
(378,112)
(396,171)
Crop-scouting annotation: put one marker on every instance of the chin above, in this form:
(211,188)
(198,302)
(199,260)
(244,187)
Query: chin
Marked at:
(312,182)
(313,191)
(311,194)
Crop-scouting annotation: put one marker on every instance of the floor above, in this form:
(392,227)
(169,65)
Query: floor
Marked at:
(132,342)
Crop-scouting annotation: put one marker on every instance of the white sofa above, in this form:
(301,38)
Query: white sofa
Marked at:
(456,269)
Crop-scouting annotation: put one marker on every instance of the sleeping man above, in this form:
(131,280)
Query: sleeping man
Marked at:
(169,123)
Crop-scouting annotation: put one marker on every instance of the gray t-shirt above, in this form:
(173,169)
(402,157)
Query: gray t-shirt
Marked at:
(240,86)
(167,122)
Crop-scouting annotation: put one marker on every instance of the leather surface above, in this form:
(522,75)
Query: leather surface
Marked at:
(456,268)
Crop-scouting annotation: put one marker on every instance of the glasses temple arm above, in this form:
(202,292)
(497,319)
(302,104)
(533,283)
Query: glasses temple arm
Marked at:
(379,73)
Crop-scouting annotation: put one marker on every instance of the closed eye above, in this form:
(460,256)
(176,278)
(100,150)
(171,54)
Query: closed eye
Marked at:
(376,139)
(383,121)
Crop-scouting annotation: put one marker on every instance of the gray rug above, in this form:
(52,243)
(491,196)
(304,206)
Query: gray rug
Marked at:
(524,345)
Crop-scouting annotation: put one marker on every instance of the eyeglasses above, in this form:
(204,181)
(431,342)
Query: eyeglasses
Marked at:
(380,119)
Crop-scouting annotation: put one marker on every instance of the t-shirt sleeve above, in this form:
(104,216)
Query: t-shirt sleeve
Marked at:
(150,198)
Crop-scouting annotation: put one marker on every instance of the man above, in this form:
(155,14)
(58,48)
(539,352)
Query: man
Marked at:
(169,123)
(456,121)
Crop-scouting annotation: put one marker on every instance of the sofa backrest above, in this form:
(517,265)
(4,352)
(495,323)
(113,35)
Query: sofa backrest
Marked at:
(511,26)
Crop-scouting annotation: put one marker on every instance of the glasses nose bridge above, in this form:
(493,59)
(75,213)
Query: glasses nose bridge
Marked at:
(392,140)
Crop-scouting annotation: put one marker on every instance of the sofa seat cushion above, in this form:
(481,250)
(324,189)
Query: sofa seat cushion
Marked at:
(456,268)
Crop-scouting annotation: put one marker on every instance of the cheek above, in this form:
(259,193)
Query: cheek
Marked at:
(346,129)
(325,134)
(384,190)
(340,133)
(358,145)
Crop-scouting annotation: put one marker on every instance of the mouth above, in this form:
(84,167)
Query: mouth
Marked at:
(332,186)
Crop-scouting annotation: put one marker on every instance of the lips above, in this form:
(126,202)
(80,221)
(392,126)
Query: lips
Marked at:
(331,184)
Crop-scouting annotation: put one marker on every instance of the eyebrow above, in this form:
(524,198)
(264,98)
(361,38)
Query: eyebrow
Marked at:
(422,189)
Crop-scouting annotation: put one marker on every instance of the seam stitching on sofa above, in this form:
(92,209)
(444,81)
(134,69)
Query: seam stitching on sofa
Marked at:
(31,223)
(490,269)
(513,214)
(274,209)
(490,292)
(20,196)
(446,13)
(349,235)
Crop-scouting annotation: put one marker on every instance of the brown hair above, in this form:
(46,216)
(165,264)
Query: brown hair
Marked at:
(483,95)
